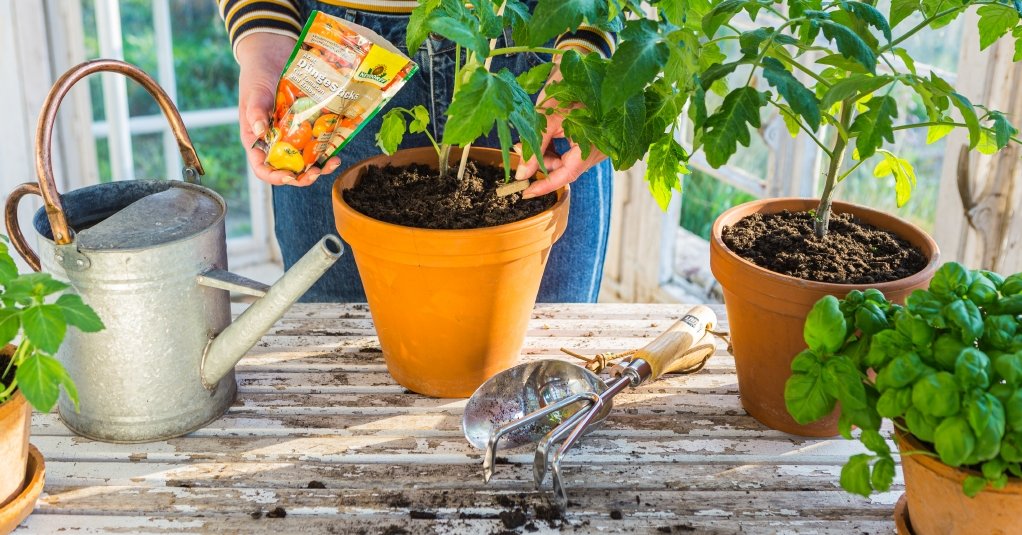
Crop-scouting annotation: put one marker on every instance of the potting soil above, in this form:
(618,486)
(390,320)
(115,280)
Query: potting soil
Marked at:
(416,196)
(852,252)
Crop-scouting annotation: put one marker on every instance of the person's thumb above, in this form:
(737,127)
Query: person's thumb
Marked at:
(257,110)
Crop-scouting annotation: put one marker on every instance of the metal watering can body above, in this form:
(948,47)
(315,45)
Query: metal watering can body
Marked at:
(164,364)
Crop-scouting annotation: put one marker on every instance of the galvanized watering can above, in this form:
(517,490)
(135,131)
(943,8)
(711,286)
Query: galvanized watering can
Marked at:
(150,256)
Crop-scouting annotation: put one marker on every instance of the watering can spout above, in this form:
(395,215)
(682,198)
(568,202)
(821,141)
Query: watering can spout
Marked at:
(228,347)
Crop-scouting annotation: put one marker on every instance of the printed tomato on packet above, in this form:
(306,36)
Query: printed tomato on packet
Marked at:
(339,76)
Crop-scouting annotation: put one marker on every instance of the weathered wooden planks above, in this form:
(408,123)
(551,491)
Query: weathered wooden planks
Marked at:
(322,432)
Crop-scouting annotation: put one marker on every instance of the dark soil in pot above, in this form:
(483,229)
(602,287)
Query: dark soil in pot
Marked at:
(852,252)
(416,196)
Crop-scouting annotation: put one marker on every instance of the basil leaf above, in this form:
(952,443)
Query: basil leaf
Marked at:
(825,326)
(972,369)
(950,281)
(855,475)
(936,395)
(954,441)
(967,317)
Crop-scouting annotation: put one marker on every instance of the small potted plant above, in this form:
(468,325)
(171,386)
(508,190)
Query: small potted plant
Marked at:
(829,69)
(946,369)
(34,315)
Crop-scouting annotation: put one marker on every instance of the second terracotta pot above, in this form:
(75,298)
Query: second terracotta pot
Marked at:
(767,310)
(15,419)
(938,505)
(451,307)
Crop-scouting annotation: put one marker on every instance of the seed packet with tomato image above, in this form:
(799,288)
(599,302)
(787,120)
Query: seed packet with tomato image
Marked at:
(339,76)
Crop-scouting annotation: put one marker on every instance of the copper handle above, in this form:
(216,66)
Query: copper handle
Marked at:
(44,135)
(14,228)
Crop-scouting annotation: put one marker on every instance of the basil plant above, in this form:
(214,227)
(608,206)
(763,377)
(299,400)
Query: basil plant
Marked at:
(946,368)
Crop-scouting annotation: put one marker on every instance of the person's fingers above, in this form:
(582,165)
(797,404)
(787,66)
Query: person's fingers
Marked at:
(572,166)
(529,168)
(331,165)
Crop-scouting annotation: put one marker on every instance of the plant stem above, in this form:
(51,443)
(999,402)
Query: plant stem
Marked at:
(520,49)
(444,159)
(464,162)
(803,127)
(837,156)
(850,170)
(6,394)
(926,22)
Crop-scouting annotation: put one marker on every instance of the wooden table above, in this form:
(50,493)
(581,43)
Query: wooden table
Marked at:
(322,440)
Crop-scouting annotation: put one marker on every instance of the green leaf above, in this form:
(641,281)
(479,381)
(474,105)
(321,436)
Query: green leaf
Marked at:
(932,7)
(1009,368)
(894,402)
(418,30)
(8,269)
(899,372)
(504,136)
(883,474)
(585,76)
(994,21)
(954,441)
(910,63)
(1017,33)
(842,380)
(534,79)
(950,281)
(904,176)
(77,313)
(392,131)
(554,17)
(664,167)
(946,349)
(902,9)
(420,120)
(44,326)
(967,317)
(32,286)
(986,418)
(748,42)
(727,126)
(1013,411)
(804,393)
(921,425)
(936,132)
(40,378)
(855,475)
(825,326)
(638,60)
(870,15)
(936,395)
(483,98)
(969,116)
(10,322)
(849,44)
(874,441)
(874,125)
(982,291)
(870,319)
(1003,130)
(973,485)
(802,100)
(461,33)
(720,14)
(523,116)
(972,369)
(856,84)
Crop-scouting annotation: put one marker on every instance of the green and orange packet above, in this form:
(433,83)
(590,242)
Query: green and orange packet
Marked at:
(338,78)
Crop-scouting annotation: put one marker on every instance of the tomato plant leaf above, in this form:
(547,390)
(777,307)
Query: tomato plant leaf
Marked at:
(664,167)
(640,57)
(533,79)
(461,32)
(994,21)
(1003,130)
(720,14)
(726,128)
(902,9)
(969,116)
(904,176)
(855,85)
(874,125)
(553,17)
(392,131)
(418,30)
(849,44)
(482,99)
(802,100)
(870,15)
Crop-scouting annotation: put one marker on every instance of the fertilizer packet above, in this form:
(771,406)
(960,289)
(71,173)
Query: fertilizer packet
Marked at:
(339,76)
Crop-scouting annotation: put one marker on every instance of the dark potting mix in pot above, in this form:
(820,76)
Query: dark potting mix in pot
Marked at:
(416,196)
(852,252)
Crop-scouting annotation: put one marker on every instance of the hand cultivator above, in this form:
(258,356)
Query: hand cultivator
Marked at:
(554,403)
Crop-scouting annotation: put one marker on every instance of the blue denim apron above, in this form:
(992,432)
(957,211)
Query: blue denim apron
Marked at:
(304,215)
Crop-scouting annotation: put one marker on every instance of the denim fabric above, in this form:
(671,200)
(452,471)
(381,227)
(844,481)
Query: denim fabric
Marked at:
(304,215)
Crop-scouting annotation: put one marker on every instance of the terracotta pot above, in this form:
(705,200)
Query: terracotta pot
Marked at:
(18,509)
(938,506)
(451,307)
(15,419)
(767,310)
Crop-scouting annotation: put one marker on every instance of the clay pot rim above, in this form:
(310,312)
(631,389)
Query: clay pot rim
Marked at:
(539,219)
(21,506)
(949,473)
(930,249)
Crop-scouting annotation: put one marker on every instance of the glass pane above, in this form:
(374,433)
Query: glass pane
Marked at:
(207,75)
(940,53)
(95,83)
(703,199)
(226,172)
(147,152)
(139,49)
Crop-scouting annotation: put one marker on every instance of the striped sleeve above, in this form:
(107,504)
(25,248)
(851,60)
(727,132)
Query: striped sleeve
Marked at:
(589,39)
(245,17)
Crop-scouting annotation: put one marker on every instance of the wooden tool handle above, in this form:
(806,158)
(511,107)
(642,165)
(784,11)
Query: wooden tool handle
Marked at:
(671,351)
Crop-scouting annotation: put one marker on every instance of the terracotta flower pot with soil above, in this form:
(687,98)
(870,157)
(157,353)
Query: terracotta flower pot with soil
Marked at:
(767,310)
(451,307)
(936,503)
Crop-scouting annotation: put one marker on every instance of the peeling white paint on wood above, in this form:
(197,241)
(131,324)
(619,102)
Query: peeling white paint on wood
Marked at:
(322,432)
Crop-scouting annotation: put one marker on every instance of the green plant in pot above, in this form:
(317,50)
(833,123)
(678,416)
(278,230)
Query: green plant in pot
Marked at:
(830,69)
(451,306)
(946,369)
(34,314)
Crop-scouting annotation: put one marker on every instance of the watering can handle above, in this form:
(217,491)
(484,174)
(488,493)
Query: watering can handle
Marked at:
(44,136)
(14,229)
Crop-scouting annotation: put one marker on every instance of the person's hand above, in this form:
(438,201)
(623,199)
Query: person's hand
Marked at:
(262,57)
(561,169)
